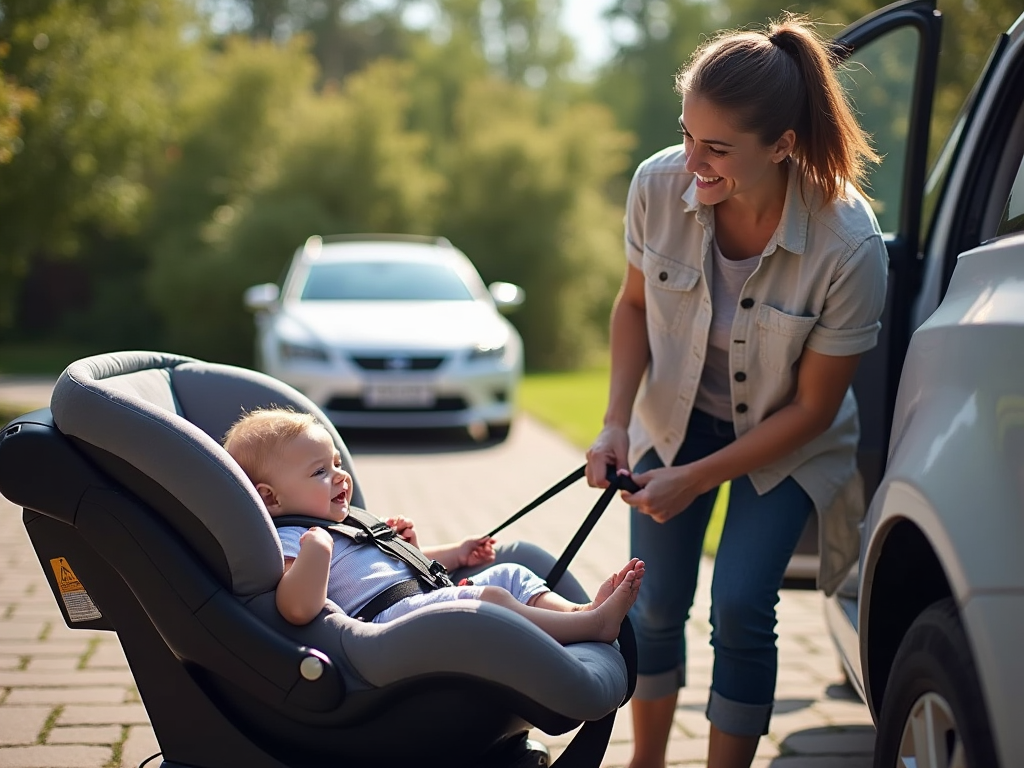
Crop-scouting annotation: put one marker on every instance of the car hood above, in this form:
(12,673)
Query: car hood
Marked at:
(400,324)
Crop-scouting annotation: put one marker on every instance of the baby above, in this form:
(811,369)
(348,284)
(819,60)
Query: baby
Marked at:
(292,461)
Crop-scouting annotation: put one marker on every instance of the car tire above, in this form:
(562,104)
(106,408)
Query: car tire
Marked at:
(498,432)
(934,686)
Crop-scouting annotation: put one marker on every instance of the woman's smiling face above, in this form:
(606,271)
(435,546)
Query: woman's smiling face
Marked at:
(726,161)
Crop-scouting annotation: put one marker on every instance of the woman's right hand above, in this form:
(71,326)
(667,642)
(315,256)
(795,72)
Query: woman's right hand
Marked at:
(610,447)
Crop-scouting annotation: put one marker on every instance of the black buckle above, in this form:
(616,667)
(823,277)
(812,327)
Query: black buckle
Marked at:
(439,574)
(382,531)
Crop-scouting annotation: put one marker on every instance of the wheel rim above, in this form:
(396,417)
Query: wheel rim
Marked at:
(931,738)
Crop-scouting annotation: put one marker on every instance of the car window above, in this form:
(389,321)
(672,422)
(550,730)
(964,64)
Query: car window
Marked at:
(879,80)
(1012,219)
(935,186)
(384,281)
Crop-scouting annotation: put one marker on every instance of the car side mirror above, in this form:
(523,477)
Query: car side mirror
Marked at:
(261,297)
(507,296)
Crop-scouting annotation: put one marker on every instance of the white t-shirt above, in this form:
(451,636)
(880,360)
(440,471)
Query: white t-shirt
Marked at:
(714,395)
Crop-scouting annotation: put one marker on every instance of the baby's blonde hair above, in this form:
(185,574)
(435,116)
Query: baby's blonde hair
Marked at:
(255,439)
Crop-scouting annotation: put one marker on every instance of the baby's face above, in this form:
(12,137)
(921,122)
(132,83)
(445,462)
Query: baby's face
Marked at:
(307,477)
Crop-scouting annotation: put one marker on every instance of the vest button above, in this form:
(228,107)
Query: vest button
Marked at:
(740,376)
(741,408)
(663,276)
(747,303)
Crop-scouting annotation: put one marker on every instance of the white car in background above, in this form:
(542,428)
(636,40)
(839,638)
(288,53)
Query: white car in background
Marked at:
(392,331)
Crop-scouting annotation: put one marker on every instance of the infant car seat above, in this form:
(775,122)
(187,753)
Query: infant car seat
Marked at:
(150,529)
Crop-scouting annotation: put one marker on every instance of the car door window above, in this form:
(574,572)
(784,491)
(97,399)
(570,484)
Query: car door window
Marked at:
(891,62)
(879,80)
(977,201)
(1012,219)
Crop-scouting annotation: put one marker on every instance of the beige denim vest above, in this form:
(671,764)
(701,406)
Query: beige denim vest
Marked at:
(820,283)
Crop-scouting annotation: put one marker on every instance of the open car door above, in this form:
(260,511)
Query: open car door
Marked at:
(891,61)
(891,65)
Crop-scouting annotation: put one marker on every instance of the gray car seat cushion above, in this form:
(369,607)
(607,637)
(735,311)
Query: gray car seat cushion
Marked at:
(578,680)
(583,681)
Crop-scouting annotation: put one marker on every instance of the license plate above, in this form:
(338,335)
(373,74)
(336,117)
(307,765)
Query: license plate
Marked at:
(399,395)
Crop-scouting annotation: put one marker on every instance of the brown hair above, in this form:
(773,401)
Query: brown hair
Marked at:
(782,78)
(258,435)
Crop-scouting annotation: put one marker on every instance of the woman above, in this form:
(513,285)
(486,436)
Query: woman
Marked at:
(755,281)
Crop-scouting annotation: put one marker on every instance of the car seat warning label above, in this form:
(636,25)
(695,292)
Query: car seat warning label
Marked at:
(79,605)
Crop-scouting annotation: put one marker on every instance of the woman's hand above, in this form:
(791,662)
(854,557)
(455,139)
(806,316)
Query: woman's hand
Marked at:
(610,447)
(403,527)
(666,491)
(475,551)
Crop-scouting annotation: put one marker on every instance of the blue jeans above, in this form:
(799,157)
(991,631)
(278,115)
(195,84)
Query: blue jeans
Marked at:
(758,539)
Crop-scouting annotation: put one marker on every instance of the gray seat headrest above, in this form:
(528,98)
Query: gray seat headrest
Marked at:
(165,415)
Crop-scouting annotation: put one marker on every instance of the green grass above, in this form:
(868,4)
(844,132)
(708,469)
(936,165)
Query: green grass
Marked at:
(573,403)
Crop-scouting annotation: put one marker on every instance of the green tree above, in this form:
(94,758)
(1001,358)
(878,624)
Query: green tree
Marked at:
(347,34)
(528,203)
(441,145)
(236,123)
(639,83)
(14,102)
(106,78)
(329,163)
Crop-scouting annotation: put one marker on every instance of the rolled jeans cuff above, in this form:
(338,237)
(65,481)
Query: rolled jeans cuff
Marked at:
(736,718)
(651,687)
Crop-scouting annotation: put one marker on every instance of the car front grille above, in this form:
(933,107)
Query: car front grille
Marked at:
(398,363)
(357,404)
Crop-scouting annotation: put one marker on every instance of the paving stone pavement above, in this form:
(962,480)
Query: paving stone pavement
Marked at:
(67,698)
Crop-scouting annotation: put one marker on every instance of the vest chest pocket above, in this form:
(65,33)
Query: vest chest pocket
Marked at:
(781,337)
(668,290)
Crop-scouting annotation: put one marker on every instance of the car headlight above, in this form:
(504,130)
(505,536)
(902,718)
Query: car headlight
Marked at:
(292,352)
(487,352)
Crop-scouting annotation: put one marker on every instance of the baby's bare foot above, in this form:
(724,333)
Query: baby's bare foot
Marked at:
(608,587)
(615,607)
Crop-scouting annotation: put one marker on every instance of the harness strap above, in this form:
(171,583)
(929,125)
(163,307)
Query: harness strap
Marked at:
(392,544)
(615,483)
(558,487)
(369,529)
(390,596)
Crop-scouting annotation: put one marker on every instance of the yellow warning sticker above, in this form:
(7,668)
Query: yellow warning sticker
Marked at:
(66,579)
(79,605)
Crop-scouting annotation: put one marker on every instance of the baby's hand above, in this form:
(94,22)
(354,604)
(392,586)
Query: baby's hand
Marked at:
(476,551)
(316,538)
(403,526)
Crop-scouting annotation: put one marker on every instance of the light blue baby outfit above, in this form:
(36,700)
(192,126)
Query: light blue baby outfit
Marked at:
(360,572)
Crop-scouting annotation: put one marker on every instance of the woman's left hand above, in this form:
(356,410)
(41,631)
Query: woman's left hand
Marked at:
(665,492)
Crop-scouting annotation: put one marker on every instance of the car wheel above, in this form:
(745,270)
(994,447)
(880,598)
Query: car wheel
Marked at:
(933,714)
(498,432)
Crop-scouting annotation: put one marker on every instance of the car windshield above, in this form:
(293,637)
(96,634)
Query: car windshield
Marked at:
(384,281)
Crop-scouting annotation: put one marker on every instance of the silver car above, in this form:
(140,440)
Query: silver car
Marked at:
(930,626)
(392,331)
